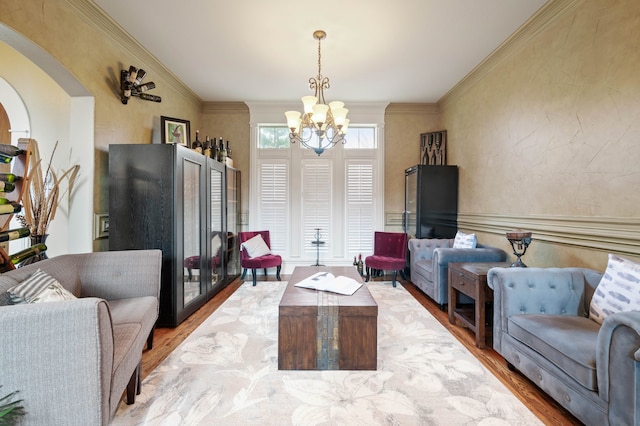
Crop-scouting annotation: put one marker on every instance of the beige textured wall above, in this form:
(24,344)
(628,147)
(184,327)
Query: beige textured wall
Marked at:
(403,125)
(96,60)
(230,120)
(554,128)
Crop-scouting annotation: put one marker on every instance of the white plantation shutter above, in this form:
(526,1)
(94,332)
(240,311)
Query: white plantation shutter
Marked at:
(293,191)
(360,207)
(274,202)
(317,196)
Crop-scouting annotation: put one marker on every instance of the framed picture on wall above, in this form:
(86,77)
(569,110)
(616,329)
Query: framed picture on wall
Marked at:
(175,130)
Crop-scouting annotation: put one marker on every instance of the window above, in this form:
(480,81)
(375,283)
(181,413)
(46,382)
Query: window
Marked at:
(274,137)
(295,191)
(361,138)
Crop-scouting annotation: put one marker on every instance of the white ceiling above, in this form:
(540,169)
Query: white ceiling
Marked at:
(375,50)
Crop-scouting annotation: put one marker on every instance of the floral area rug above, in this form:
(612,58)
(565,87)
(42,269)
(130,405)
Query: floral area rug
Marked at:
(226,373)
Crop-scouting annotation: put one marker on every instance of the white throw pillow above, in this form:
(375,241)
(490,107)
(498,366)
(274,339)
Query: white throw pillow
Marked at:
(256,246)
(618,290)
(463,240)
(216,244)
(40,287)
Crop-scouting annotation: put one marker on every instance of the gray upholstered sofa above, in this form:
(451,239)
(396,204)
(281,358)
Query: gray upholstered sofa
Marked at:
(71,361)
(541,327)
(429,263)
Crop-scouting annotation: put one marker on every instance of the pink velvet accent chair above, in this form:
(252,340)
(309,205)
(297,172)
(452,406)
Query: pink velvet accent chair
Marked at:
(261,262)
(389,254)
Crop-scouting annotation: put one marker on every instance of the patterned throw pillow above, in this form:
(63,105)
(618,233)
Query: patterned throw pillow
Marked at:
(256,247)
(464,240)
(5,299)
(40,287)
(618,290)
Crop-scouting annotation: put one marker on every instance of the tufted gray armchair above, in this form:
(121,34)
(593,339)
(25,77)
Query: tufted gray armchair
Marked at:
(429,263)
(541,328)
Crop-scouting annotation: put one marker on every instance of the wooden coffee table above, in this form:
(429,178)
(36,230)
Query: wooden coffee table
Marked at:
(319,330)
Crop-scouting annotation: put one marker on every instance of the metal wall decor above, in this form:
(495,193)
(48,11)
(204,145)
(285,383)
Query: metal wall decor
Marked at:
(433,148)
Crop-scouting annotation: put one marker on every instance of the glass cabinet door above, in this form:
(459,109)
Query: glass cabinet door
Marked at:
(233,227)
(216,182)
(191,244)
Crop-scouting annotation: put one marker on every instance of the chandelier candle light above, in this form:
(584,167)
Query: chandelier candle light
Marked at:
(328,123)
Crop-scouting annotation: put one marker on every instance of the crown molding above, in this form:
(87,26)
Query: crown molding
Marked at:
(412,108)
(609,234)
(104,24)
(224,107)
(547,15)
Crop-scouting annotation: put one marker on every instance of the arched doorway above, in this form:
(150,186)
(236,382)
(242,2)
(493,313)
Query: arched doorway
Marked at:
(73,125)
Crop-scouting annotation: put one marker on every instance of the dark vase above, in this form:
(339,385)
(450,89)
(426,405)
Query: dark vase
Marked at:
(36,239)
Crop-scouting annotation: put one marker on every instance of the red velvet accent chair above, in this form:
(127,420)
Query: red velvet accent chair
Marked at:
(262,262)
(389,254)
(193,262)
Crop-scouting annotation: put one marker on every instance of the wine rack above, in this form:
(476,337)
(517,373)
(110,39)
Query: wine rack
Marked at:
(19,167)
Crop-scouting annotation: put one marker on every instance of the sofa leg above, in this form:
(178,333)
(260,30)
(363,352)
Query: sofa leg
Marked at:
(244,273)
(366,280)
(150,338)
(132,385)
(139,384)
(395,274)
(278,272)
(253,273)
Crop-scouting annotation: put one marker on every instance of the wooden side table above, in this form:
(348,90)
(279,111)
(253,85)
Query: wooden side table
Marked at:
(470,279)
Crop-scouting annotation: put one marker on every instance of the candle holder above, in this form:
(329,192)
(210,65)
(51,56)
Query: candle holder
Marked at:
(317,243)
(519,240)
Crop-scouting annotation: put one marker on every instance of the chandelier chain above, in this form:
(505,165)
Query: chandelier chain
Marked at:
(319,60)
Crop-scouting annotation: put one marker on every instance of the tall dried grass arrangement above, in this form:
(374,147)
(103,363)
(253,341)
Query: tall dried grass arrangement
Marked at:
(43,192)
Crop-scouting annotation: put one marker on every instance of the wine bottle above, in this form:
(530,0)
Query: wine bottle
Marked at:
(220,148)
(14,234)
(144,87)
(9,208)
(10,150)
(25,254)
(149,97)
(214,149)
(9,177)
(6,186)
(228,149)
(355,262)
(222,157)
(140,76)
(360,265)
(5,159)
(133,74)
(206,147)
(197,145)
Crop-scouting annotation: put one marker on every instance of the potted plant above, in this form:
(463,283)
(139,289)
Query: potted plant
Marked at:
(42,194)
(10,411)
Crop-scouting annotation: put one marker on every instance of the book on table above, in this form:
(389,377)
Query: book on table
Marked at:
(326,281)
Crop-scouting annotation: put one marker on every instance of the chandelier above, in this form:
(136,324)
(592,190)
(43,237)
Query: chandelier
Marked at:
(321,126)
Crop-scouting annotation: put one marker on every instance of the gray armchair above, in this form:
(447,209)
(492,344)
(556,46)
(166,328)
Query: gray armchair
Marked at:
(71,361)
(429,263)
(541,328)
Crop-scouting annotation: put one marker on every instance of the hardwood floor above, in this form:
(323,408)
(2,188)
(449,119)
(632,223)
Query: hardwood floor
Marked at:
(547,410)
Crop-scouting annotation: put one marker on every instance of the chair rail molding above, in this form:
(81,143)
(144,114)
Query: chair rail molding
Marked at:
(612,234)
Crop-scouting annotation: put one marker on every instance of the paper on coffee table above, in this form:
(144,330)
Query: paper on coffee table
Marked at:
(326,281)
